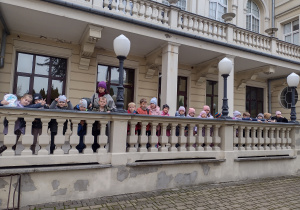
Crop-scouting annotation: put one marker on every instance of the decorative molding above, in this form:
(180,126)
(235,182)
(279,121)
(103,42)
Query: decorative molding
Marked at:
(208,67)
(88,41)
(241,85)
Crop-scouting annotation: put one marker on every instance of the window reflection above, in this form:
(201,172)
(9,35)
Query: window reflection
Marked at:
(24,63)
(102,73)
(59,67)
(22,86)
(40,85)
(42,65)
(56,89)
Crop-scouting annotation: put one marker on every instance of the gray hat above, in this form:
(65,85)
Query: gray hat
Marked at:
(83,103)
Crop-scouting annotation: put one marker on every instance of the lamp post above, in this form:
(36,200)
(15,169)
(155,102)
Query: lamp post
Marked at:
(225,67)
(293,81)
(121,48)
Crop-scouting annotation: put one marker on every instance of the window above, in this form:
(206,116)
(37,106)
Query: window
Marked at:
(286,97)
(212,96)
(110,74)
(254,100)
(252,17)
(181,4)
(291,32)
(217,8)
(40,74)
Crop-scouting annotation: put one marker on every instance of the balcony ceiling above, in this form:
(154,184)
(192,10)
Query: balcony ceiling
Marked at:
(63,29)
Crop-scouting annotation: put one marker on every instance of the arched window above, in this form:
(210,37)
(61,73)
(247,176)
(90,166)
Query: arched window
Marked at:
(217,8)
(252,20)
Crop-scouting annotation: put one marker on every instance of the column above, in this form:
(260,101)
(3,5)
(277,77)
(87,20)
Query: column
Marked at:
(169,75)
(230,89)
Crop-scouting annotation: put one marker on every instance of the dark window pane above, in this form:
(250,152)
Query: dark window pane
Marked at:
(102,73)
(248,93)
(114,78)
(208,87)
(40,85)
(247,106)
(180,101)
(259,107)
(113,92)
(128,92)
(56,89)
(22,86)
(253,94)
(260,94)
(215,105)
(216,88)
(59,67)
(182,84)
(128,77)
(42,65)
(24,63)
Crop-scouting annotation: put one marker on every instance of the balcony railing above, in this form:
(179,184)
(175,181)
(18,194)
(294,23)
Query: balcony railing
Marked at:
(174,18)
(134,138)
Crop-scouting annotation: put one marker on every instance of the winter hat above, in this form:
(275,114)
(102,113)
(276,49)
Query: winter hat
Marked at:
(102,84)
(260,115)
(83,103)
(37,96)
(153,101)
(62,98)
(236,113)
(191,110)
(181,108)
(278,112)
(166,106)
(217,115)
(201,113)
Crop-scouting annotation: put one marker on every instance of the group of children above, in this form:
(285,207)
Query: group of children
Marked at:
(86,104)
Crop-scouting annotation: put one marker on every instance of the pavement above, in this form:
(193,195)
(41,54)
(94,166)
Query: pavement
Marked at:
(280,193)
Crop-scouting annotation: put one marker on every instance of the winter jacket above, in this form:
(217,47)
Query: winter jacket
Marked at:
(155,111)
(95,101)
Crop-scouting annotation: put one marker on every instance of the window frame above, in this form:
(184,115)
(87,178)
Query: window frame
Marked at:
(292,33)
(212,95)
(218,7)
(178,4)
(257,89)
(251,15)
(32,75)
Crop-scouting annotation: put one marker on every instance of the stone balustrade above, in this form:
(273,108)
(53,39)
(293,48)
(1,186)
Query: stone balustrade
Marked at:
(171,17)
(129,138)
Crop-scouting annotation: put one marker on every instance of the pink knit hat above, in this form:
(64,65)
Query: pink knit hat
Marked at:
(201,113)
(278,112)
(191,110)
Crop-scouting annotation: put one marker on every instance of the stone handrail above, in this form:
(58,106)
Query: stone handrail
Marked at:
(128,138)
(287,49)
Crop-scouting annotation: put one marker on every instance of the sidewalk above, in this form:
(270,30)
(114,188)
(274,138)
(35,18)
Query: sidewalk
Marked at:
(281,193)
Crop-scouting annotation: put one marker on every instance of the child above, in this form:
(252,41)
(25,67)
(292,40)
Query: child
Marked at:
(180,112)
(202,114)
(191,112)
(260,117)
(82,106)
(279,118)
(154,109)
(246,116)
(267,117)
(60,103)
(143,107)
(131,108)
(237,115)
(102,105)
(165,111)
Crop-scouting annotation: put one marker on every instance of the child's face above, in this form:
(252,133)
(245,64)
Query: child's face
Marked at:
(152,106)
(259,117)
(203,115)
(238,116)
(166,110)
(131,108)
(38,101)
(62,103)
(25,101)
(143,105)
(81,108)
(192,114)
(278,115)
(102,102)
(181,112)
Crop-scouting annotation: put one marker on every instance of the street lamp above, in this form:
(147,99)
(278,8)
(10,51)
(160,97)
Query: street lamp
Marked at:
(225,67)
(293,81)
(121,48)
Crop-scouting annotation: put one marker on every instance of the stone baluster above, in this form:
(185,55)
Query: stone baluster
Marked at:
(173,139)
(205,27)
(106,4)
(254,138)
(180,20)
(132,139)
(200,137)
(159,14)
(207,138)
(121,6)
(143,138)
(248,139)
(114,6)
(141,11)
(67,145)
(261,142)
(272,139)
(89,138)
(241,138)
(147,11)
(134,9)
(235,137)
(195,26)
(163,138)
(182,139)
(201,27)
(154,13)
(267,138)
(167,17)
(191,140)
(10,137)
(184,22)
(216,138)
(190,24)
(74,138)
(44,138)
(277,138)
(288,138)
(102,139)
(283,138)
(27,138)
(59,138)
(153,140)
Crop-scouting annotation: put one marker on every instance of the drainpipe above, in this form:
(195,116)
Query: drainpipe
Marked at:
(5,32)
(269,92)
(273,13)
